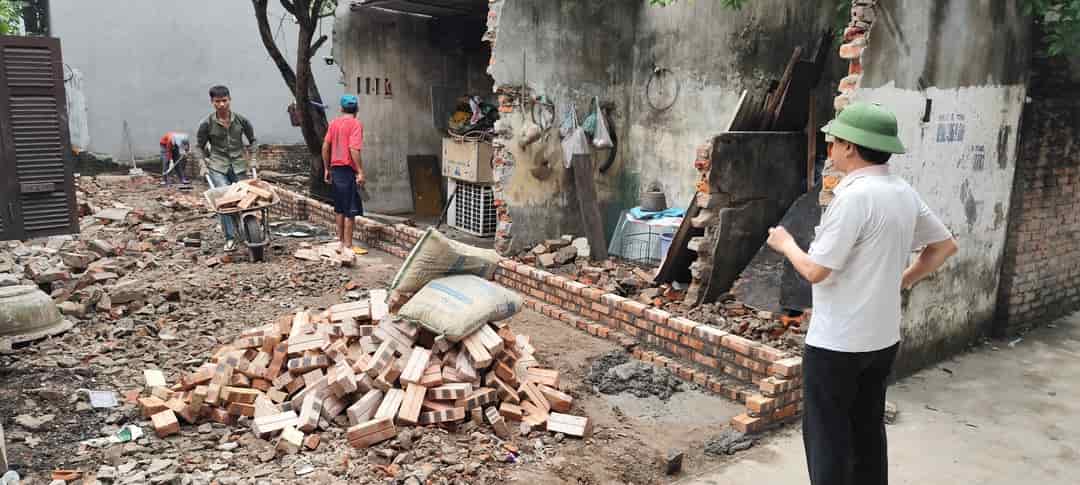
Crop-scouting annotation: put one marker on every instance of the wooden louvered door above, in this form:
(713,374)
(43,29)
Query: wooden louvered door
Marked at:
(37,195)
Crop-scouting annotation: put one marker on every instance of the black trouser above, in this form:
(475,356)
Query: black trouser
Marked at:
(844,415)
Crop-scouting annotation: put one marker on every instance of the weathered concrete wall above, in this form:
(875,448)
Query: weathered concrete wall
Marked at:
(714,53)
(577,50)
(962,159)
(573,51)
(1040,277)
(150,62)
(414,54)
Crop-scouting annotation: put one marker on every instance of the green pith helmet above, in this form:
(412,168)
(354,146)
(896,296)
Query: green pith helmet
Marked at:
(868,125)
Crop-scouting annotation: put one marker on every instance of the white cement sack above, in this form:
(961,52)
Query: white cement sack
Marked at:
(456,306)
(436,255)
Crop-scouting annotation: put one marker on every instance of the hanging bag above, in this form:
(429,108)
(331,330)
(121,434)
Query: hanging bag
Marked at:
(602,138)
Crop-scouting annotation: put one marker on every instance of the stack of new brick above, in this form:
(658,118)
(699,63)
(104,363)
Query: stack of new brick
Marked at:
(294,377)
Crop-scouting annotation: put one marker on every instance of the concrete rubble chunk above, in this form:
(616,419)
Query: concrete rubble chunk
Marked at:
(126,292)
(77,261)
(73,309)
(102,247)
(7,279)
(546,260)
(566,255)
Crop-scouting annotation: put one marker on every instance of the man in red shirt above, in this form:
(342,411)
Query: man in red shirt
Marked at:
(344,169)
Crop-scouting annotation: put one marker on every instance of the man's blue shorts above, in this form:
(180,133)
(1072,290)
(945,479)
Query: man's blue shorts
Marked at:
(344,191)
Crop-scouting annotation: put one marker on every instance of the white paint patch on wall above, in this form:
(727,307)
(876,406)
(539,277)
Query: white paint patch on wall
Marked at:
(962,162)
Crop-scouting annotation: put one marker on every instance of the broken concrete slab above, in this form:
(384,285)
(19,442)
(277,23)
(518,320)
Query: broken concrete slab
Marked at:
(113,214)
(78,261)
(566,254)
(126,292)
(104,248)
(73,309)
(546,260)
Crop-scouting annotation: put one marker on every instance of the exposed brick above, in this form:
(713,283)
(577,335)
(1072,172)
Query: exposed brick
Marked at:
(601,308)
(593,294)
(739,344)
(773,386)
(633,307)
(683,325)
(790,367)
(508,264)
(705,360)
(759,405)
(745,423)
(612,300)
(751,364)
(658,316)
(574,287)
(769,354)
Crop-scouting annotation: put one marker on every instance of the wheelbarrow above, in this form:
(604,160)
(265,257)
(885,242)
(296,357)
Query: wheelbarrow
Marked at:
(252,224)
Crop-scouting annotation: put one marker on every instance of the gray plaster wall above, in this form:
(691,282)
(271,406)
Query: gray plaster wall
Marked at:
(714,53)
(573,51)
(969,58)
(577,50)
(151,62)
(415,54)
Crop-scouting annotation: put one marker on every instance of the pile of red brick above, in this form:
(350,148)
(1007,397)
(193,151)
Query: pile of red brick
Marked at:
(293,377)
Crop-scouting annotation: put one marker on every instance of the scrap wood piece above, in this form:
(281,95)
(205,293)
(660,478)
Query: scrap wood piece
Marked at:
(371,432)
(391,403)
(436,417)
(569,425)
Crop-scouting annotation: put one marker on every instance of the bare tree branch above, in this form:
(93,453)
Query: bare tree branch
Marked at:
(318,43)
(289,6)
(267,36)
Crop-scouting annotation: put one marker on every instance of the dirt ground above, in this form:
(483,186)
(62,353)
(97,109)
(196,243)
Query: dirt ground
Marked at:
(47,418)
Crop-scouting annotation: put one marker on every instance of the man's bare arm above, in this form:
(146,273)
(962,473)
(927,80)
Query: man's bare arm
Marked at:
(782,242)
(358,163)
(930,259)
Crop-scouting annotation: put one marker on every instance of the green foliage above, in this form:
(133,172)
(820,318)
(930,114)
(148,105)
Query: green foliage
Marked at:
(1061,24)
(10,17)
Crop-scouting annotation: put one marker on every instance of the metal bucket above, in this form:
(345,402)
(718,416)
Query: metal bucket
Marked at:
(27,313)
(653,201)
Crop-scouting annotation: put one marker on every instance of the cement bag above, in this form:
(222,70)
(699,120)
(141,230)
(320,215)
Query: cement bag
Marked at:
(435,256)
(456,306)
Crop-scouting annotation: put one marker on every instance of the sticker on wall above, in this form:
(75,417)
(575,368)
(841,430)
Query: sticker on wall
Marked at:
(951,128)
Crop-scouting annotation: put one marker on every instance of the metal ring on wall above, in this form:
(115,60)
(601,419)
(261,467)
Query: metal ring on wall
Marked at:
(648,88)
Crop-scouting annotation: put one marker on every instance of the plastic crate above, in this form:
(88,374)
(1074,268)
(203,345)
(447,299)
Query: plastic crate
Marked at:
(473,210)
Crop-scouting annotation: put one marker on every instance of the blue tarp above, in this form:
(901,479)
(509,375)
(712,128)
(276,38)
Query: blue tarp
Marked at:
(640,214)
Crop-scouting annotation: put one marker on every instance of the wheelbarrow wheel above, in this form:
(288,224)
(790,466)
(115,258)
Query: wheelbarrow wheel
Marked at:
(253,228)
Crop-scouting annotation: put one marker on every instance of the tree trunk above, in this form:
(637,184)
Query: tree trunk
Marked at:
(301,82)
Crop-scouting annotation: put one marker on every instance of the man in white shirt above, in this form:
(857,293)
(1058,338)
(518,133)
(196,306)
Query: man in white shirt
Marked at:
(858,264)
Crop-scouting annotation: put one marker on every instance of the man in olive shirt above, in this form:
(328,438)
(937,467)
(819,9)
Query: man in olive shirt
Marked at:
(226,161)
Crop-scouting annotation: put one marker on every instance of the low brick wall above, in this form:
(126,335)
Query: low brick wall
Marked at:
(293,158)
(765,379)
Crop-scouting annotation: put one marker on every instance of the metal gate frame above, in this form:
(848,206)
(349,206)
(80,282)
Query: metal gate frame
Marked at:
(38,186)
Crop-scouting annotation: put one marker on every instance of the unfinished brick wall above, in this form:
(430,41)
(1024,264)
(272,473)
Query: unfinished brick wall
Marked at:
(1040,274)
(284,157)
(765,379)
